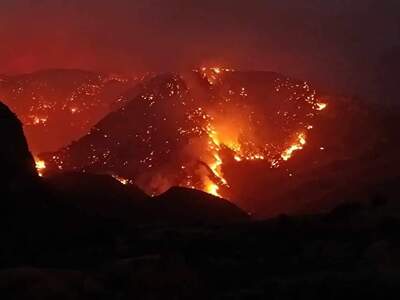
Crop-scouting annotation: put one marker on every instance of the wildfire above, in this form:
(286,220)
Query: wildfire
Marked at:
(40,166)
(231,125)
(229,137)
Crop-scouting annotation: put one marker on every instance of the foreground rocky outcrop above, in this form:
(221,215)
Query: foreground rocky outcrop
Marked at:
(17,164)
(350,252)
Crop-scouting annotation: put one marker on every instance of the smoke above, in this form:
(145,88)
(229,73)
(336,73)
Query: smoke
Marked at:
(336,44)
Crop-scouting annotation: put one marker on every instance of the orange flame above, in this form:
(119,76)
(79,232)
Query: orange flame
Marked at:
(40,166)
(321,106)
(298,145)
(212,188)
(124,181)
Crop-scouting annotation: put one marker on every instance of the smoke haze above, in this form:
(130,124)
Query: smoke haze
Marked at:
(337,44)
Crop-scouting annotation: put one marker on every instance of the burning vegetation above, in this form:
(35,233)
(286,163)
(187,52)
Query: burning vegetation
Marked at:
(188,130)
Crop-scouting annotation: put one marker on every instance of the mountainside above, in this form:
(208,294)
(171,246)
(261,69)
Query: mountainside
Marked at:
(269,143)
(177,128)
(58,106)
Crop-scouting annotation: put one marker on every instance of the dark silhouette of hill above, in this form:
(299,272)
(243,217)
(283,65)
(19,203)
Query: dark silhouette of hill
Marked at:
(17,163)
(102,196)
(196,207)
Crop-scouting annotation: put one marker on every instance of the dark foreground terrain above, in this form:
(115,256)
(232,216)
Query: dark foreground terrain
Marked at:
(77,236)
(352,252)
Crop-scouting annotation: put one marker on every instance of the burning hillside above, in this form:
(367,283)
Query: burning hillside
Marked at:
(58,106)
(187,130)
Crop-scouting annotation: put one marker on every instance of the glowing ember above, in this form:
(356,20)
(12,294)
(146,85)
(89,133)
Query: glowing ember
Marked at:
(36,120)
(216,70)
(40,166)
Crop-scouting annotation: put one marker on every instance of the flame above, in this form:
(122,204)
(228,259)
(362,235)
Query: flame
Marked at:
(211,188)
(124,181)
(40,166)
(225,137)
(215,164)
(321,106)
(296,146)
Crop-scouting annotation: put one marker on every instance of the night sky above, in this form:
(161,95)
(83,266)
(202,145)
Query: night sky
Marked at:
(337,44)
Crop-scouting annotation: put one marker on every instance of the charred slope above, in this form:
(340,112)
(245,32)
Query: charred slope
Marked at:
(232,146)
(58,106)
(139,139)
